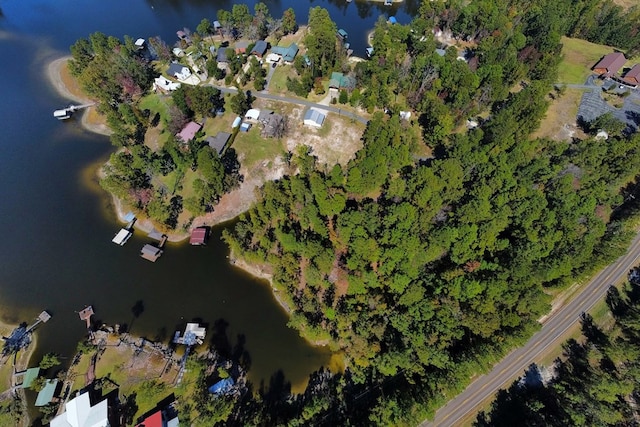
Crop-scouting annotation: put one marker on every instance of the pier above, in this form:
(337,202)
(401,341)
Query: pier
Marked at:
(66,113)
(86,314)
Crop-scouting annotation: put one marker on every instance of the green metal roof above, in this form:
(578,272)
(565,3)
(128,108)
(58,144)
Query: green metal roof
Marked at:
(30,375)
(46,394)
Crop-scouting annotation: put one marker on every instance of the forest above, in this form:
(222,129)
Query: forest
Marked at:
(596,381)
(421,271)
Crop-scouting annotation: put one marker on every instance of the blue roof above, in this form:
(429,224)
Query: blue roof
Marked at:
(260,47)
(46,394)
(222,386)
(342,33)
(393,20)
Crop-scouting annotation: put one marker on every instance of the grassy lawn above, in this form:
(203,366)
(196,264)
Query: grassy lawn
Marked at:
(156,104)
(578,58)
(278,83)
(253,148)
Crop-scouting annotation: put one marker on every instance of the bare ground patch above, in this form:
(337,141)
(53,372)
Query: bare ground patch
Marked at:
(559,123)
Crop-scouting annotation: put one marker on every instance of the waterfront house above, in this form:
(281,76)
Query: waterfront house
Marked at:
(288,54)
(179,71)
(314,118)
(340,81)
(79,412)
(161,83)
(189,131)
(259,48)
(219,141)
(610,64)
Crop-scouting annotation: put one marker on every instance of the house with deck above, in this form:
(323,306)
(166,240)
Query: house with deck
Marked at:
(179,71)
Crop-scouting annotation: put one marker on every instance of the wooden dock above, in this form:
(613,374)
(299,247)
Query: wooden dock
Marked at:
(86,314)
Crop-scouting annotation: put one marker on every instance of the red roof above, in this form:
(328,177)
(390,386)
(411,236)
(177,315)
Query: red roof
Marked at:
(633,75)
(189,131)
(153,420)
(611,63)
(198,236)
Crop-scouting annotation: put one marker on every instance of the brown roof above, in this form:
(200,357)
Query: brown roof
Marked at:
(633,75)
(198,236)
(611,63)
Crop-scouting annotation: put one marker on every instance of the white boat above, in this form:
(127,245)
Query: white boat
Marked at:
(122,237)
(62,114)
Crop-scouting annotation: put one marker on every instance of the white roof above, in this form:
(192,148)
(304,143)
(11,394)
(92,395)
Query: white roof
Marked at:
(122,237)
(272,57)
(196,330)
(140,42)
(165,84)
(80,413)
(252,114)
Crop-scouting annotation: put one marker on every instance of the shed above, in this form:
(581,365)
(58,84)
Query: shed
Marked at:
(219,141)
(45,396)
(369,51)
(244,127)
(199,236)
(122,236)
(314,118)
(441,52)
(259,48)
(221,387)
(189,131)
(252,114)
(150,252)
(610,64)
(236,122)
(217,25)
(140,43)
(632,77)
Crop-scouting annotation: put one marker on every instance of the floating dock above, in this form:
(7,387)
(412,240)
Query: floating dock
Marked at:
(150,252)
(122,237)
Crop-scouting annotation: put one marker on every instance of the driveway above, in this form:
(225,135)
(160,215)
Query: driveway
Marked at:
(592,105)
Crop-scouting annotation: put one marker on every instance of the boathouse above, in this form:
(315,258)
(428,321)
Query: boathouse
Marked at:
(199,236)
(122,236)
(150,252)
(342,34)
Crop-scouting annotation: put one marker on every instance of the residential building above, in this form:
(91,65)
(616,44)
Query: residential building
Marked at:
(314,118)
(189,131)
(610,64)
(179,71)
(80,413)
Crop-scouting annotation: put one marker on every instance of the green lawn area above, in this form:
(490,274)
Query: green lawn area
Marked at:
(579,56)
(253,148)
(278,83)
(156,104)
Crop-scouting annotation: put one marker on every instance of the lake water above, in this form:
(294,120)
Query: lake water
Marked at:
(56,225)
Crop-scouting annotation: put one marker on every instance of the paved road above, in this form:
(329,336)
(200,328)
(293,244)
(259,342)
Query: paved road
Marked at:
(298,101)
(551,335)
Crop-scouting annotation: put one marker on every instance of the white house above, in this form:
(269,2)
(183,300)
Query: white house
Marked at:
(79,413)
(164,84)
(179,71)
(314,118)
(253,114)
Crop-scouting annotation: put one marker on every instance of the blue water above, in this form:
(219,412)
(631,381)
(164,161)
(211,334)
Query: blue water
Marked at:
(55,227)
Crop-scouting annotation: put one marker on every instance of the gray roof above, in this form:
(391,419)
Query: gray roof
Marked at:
(314,115)
(175,68)
(222,54)
(219,141)
(260,47)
